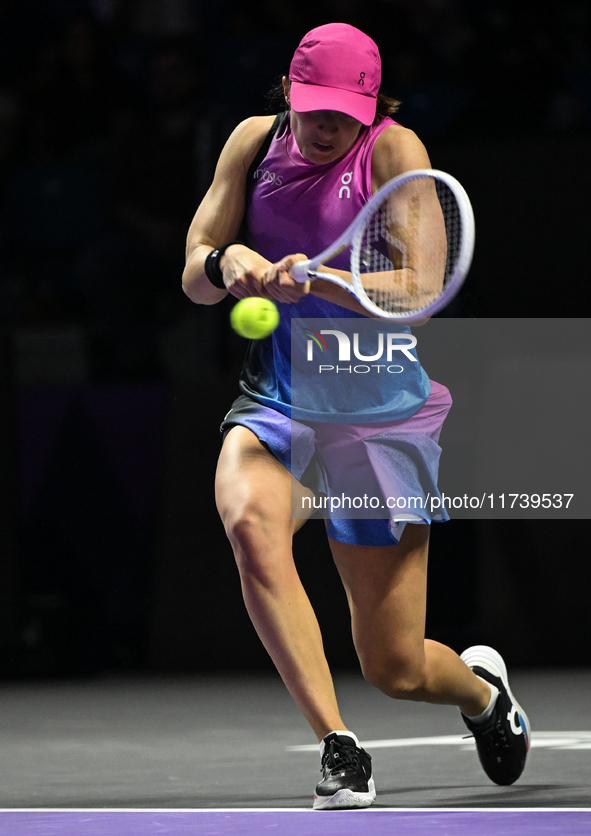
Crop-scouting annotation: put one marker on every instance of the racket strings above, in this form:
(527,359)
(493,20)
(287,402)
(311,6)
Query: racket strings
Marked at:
(409,247)
(453,226)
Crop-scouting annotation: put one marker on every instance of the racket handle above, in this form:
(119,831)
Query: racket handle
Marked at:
(299,271)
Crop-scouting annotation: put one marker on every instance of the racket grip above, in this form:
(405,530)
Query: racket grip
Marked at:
(299,271)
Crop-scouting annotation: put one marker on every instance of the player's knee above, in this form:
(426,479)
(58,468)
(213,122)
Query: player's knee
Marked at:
(399,678)
(254,538)
(245,527)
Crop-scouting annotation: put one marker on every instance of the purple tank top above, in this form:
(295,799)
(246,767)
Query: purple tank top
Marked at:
(295,206)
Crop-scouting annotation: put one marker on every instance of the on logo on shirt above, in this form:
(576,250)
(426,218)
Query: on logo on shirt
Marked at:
(345,191)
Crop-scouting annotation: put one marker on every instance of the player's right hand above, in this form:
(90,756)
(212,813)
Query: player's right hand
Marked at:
(244,271)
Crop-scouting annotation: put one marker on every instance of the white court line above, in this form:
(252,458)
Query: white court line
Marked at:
(540,739)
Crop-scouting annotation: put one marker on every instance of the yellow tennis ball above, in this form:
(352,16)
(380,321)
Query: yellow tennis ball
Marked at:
(254,318)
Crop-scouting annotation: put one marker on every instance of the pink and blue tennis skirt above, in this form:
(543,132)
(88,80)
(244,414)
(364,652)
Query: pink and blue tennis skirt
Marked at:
(368,480)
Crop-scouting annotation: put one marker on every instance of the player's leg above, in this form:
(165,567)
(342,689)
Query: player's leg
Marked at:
(253,494)
(386,588)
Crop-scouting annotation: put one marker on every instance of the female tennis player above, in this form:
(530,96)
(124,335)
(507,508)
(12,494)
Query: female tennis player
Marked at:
(338,133)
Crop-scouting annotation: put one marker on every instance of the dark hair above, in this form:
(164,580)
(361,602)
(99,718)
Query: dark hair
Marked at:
(276,102)
(386,105)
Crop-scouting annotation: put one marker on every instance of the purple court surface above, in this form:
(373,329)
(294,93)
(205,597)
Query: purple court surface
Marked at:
(288,822)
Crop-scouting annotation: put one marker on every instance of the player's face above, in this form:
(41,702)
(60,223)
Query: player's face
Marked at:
(324,136)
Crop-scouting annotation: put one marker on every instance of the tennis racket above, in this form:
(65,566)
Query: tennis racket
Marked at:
(411,247)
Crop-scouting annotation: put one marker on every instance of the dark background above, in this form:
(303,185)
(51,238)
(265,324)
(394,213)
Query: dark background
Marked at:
(112,384)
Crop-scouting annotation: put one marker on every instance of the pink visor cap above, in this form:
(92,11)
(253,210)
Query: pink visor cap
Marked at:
(336,67)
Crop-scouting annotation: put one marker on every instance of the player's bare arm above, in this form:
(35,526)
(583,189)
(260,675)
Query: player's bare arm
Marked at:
(396,151)
(218,220)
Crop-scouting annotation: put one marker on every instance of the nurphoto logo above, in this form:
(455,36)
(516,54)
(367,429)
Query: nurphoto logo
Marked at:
(386,346)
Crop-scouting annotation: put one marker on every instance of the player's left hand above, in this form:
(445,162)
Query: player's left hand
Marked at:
(280,286)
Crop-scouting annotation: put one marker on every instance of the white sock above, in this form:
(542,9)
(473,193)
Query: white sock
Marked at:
(482,718)
(340,732)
